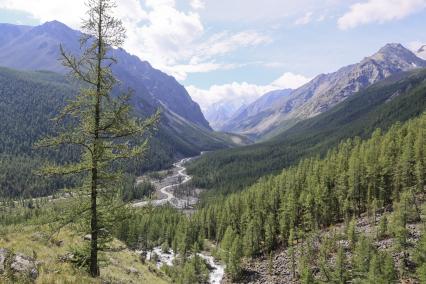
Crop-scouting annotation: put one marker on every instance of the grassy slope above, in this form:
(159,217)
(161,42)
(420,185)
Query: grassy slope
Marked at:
(29,241)
(379,106)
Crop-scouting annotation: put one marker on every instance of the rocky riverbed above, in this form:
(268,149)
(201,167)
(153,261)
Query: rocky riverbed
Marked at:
(167,189)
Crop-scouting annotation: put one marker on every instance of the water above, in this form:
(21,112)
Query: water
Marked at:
(215,276)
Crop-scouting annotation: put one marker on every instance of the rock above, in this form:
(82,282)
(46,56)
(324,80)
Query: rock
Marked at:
(4,255)
(142,256)
(39,236)
(87,237)
(24,265)
(132,270)
(66,258)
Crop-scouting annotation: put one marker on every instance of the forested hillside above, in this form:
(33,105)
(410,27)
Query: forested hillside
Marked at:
(395,99)
(327,90)
(386,171)
(28,102)
(37,48)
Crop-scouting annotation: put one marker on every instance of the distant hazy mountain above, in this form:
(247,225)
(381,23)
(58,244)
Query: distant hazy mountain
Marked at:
(219,113)
(253,113)
(327,90)
(37,48)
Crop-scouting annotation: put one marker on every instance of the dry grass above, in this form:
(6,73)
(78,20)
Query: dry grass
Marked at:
(32,241)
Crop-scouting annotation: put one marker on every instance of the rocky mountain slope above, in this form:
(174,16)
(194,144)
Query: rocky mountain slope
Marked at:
(37,48)
(219,113)
(253,113)
(397,98)
(327,90)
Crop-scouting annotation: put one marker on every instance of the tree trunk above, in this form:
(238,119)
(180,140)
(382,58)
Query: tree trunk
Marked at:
(94,268)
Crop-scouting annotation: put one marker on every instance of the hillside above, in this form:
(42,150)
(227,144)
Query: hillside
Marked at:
(253,113)
(327,90)
(396,99)
(355,214)
(37,48)
(28,100)
(46,256)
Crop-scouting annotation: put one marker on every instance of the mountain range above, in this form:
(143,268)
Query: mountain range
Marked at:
(34,85)
(324,92)
(395,99)
(250,114)
(37,48)
(30,48)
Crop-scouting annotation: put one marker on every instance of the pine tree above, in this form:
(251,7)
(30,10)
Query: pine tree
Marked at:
(340,274)
(388,269)
(306,275)
(399,225)
(420,257)
(270,232)
(362,256)
(226,243)
(292,253)
(101,124)
(383,227)
(234,261)
(351,232)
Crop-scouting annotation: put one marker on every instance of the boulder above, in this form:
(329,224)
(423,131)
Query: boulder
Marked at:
(18,264)
(24,265)
(132,270)
(4,255)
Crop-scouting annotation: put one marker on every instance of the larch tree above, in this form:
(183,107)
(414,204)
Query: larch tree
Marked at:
(96,121)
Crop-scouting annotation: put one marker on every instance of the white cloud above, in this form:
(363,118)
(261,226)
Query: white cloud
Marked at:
(225,42)
(197,4)
(47,10)
(243,93)
(289,81)
(418,47)
(172,40)
(306,19)
(379,11)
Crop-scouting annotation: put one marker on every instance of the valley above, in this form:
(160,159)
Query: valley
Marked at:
(166,186)
(160,143)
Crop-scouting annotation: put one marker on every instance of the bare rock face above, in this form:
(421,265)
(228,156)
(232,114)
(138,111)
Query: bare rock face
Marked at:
(20,265)
(326,90)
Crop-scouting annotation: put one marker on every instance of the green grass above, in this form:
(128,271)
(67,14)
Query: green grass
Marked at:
(33,240)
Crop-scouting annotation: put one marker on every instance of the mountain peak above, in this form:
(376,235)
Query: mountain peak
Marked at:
(54,23)
(394,53)
(394,50)
(392,47)
(53,27)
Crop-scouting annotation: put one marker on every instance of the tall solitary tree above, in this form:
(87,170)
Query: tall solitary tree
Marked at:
(96,121)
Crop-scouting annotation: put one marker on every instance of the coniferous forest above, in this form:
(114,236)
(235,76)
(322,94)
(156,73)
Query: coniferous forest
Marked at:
(111,171)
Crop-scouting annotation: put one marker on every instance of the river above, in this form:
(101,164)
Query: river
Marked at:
(169,183)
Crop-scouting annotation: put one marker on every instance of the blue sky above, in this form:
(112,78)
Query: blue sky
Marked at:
(235,50)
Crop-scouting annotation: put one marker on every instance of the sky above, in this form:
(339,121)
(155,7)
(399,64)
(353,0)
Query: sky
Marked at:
(236,50)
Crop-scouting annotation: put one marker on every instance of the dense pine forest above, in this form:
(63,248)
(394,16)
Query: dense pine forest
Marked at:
(111,173)
(397,98)
(29,101)
(356,178)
